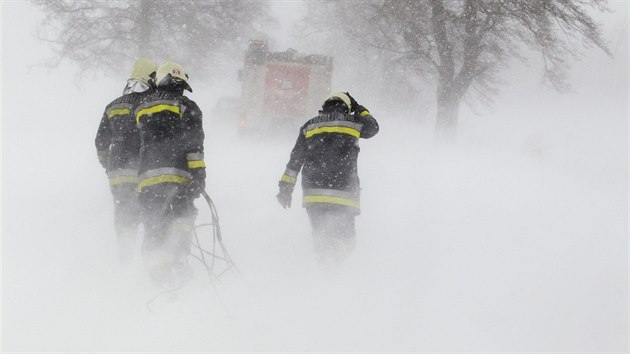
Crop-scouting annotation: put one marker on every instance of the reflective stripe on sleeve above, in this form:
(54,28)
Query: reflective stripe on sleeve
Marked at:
(365,113)
(288,179)
(123,176)
(114,181)
(196,164)
(194,156)
(119,109)
(118,112)
(290,176)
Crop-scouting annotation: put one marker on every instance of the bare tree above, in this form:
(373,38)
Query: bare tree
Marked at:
(464,43)
(107,34)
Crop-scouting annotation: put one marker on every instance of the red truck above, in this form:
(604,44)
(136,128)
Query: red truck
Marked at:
(281,90)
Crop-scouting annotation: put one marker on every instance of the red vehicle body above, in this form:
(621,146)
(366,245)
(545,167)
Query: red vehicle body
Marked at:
(281,90)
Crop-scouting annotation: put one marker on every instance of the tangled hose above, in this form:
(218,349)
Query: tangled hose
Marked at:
(217,254)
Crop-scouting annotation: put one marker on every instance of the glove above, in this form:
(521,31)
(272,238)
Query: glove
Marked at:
(284,196)
(353,102)
(198,183)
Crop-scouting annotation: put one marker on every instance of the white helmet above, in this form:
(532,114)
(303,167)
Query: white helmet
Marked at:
(142,76)
(170,72)
(340,96)
(143,70)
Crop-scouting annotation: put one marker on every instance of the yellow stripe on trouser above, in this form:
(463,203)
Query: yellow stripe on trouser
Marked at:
(288,179)
(331,200)
(196,164)
(118,112)
(156,109)
(162,179)
(344,130)
(122,180)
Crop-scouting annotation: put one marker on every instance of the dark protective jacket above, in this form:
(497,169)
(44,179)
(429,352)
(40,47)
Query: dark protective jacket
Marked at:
(326,152)
(118,140)
(172,137)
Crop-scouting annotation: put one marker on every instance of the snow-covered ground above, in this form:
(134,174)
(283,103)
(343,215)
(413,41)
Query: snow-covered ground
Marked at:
(515,239)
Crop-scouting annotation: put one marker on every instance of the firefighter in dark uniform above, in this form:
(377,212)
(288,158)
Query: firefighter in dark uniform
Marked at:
(118,148)
(326,152)
(172,173)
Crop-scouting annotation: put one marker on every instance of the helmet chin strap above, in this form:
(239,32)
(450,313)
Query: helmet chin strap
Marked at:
(135,86)
(174,84)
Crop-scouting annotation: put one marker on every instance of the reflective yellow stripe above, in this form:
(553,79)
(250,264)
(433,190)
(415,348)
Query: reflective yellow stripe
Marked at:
(162,179)
(364,113)
(196,164)
(288,179)
(344,130)
(123,179)
(158,108)
(330,200)
(118,112)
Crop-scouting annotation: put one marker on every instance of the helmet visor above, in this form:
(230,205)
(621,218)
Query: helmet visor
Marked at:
(135,86)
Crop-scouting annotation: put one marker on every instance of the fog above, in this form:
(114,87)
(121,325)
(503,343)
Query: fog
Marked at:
(514,238)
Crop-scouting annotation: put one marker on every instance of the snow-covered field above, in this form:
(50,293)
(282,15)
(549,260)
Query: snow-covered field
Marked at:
(514,239)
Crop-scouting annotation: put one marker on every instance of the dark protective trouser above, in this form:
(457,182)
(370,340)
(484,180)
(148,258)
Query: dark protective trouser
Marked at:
(333,231)
(169,218)
(127,215)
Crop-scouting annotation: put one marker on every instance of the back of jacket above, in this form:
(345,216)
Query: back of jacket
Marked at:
(326,152)
(118,140)
(171,135)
